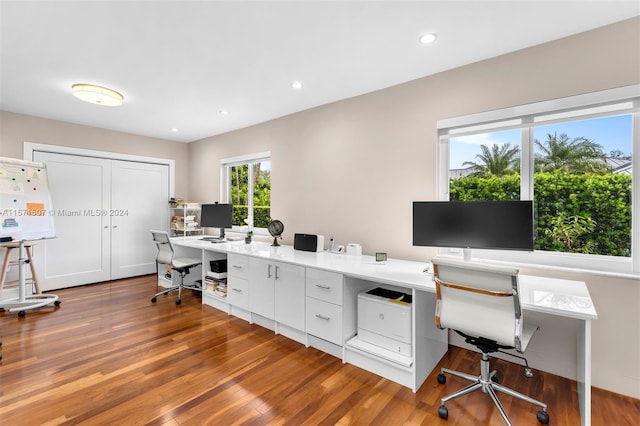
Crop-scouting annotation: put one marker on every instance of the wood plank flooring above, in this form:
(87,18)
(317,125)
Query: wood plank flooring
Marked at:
(108,356)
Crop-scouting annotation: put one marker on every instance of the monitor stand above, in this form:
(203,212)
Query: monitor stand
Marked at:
(466,252)
(219,239)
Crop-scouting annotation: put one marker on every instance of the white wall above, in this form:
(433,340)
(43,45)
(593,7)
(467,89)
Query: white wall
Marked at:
(352,168)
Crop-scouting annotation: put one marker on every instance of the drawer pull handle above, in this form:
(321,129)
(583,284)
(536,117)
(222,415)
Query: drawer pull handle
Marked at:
(237,266)
(323,286)
(322,317)
(237,290)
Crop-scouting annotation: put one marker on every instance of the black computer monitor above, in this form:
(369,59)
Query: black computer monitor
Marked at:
(500,225)
(217,216)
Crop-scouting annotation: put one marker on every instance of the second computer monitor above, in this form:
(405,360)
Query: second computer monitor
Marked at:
(217,216)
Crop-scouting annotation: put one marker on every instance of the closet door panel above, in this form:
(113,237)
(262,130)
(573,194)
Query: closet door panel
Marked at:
(139,194)
(80,191)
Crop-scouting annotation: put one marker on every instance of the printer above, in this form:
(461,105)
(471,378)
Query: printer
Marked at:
(384,319)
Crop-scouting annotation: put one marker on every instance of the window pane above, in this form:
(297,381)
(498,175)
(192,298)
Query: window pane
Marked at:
(485,166)
(250,182)
(262,194)
(582,186)
(239,185)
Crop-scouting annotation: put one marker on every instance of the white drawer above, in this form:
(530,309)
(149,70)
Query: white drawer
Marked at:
(238,266)
(238,292)
(324,285)
(324,320)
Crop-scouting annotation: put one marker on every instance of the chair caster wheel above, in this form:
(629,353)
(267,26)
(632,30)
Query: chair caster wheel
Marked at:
(22,314)
(153,299)
(443,412)
(495,379)
(543,417)
(442,379)
(57,303)
(178,302)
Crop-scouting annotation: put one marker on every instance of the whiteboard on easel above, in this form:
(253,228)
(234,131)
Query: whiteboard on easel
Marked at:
(25,201)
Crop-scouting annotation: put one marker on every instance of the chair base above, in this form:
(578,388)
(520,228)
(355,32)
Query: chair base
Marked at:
(487,383)
(178,287)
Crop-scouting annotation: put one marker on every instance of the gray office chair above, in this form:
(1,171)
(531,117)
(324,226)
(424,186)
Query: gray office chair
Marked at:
(166,256)
(481,303)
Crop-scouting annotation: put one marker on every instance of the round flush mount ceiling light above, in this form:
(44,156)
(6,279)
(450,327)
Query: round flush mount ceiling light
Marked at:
(98,95)
(224,112)
(428,38)
(296,85)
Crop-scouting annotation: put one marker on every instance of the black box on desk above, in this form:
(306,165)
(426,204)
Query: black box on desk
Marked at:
(218,265)
(308,242)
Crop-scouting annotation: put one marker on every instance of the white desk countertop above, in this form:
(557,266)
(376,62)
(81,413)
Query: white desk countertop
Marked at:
(549,295)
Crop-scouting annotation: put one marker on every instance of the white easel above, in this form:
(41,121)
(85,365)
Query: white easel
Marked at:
(27,215)
(23,302)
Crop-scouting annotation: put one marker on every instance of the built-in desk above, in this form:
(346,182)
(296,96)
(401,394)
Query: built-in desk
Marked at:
(538,294)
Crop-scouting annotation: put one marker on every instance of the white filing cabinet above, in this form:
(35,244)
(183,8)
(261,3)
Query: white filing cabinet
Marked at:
(238,281)
(324,306)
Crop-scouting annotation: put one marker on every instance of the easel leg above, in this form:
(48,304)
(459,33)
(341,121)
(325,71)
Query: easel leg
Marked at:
(5,265)
(34,277)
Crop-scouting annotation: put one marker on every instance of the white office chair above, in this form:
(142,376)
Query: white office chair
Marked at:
(482,303)
(166,256)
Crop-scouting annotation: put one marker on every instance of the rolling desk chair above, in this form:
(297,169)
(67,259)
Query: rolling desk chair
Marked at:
(481,303)
(166,255)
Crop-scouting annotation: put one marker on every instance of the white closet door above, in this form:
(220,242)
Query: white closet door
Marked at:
(80,191)
(139,194)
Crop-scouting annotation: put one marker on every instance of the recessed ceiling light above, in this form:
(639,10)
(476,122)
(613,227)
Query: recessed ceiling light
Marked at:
(98,95)
(174,129)
(224,112)
(428,38)
(296,85)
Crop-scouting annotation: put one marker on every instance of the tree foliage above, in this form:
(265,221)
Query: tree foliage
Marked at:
(577,155)
(601,199)
(239,176)
(499,160)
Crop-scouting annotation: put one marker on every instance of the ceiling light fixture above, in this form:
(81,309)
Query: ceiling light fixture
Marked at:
(97,94)
(428,38)
(174,129)
(224,112)
(296,85)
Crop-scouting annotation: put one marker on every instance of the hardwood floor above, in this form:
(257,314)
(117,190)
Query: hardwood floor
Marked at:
(108,356)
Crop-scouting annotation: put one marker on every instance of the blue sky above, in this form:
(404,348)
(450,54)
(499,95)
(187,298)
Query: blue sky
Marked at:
(610,132)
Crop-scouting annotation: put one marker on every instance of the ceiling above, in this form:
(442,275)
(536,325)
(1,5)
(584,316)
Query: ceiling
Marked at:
(179,63)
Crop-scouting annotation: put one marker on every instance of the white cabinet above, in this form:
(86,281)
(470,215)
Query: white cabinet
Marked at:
(238,281)
(295,297)
(289,296)
(262,275)
(324,316)
(276,291)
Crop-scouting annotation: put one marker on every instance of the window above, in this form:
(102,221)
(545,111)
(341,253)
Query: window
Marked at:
(573,157)
(247,185)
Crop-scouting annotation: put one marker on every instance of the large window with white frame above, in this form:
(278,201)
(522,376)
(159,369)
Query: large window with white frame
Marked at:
(246,183)
(576,158)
